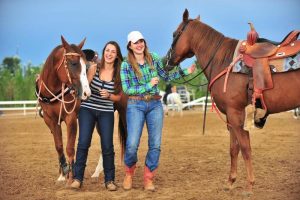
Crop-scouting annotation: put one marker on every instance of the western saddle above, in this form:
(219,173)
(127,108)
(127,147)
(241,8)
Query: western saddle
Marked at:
(258,56)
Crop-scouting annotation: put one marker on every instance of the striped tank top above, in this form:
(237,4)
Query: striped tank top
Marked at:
(95,101)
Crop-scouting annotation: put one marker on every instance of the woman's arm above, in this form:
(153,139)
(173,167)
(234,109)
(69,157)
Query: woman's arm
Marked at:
(113,97)
(169,76)
(91,72)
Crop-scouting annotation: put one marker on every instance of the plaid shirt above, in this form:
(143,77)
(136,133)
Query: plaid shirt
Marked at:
(132,85)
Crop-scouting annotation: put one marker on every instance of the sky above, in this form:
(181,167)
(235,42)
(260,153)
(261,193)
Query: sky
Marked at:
(30,29)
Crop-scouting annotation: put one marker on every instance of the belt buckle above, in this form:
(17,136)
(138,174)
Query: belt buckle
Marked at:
(147,97)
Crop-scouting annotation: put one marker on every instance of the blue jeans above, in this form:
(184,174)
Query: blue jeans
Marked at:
(87,119)
(137,113)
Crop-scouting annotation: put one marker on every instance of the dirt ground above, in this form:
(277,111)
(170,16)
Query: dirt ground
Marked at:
(192,166)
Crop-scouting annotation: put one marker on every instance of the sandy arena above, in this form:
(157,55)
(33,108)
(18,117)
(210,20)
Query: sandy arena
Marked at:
(192,166)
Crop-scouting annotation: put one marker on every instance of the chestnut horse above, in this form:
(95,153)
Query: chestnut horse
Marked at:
(60,87)
(214,52)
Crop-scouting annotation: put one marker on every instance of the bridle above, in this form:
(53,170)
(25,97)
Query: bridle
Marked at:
(64,90)
(64,62)
(171,50)
(169,54)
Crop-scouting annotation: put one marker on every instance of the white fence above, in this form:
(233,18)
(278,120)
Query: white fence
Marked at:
(198,102)
(10,106)
(29,107)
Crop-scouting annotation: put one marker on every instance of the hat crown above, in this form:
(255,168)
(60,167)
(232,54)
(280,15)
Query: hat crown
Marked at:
(134,36)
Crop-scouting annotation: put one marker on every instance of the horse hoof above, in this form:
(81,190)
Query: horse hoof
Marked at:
(61,178)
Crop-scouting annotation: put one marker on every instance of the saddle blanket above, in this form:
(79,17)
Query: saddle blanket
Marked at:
(278,65)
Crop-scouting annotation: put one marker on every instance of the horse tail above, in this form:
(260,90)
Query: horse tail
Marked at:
(121,107)
(122,134)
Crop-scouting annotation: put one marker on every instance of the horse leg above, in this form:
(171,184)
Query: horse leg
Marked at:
(236,123)
(99,168)
(234,152)
(70,148)
(57,136)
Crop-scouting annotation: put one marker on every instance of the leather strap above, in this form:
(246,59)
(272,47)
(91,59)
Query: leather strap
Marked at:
(145,97)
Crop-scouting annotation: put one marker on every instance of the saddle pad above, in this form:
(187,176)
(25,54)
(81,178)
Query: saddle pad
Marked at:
(278,65)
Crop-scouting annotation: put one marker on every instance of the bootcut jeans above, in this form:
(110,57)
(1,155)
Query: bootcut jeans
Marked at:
(87,119)
(138,112)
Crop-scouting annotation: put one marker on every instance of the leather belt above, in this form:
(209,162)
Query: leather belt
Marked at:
(147,97)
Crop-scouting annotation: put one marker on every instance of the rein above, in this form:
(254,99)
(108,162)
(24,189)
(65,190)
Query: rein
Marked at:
(208,78)
(169,55)
(64,90)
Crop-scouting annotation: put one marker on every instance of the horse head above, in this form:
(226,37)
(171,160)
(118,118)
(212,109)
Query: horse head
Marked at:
(72,71)
(180,48)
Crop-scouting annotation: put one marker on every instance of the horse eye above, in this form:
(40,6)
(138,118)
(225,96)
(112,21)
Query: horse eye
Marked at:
(73,63)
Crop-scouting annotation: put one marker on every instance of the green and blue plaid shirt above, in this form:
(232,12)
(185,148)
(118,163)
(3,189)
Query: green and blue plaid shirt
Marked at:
(132,85)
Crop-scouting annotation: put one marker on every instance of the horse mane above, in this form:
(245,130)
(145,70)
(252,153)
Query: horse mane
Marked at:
(50,63)
(205,40)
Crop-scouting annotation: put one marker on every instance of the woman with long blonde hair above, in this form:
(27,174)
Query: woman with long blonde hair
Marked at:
(140,75)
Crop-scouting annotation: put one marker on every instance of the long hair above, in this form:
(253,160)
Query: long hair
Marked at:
(132,61)
(117,65)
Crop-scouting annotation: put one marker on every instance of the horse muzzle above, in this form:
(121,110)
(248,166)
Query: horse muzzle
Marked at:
(86,93)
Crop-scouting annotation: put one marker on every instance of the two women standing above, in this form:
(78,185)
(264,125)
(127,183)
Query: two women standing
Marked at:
(139,77)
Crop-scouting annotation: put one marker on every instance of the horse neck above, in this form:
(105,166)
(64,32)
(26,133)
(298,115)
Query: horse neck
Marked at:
(49,74)
(208,44)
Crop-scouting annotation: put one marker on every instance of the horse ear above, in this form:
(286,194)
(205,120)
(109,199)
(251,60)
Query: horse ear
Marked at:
(198,18)
(185,16)
(65,43)
(81,43)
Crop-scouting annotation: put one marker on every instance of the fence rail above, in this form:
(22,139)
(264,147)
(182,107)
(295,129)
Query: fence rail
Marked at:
(13,106)
(30,105)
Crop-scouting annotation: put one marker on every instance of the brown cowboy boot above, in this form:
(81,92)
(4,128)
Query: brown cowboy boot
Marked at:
(129,172)
(148,179)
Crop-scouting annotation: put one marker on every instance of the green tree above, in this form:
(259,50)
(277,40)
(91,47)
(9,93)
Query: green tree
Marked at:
(12,64)
(15,85)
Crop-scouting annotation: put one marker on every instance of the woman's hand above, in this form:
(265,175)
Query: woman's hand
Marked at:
(104,93)
(154,81)
(192,68)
